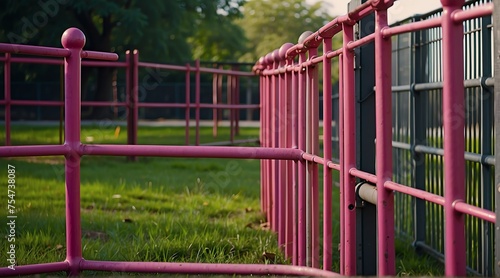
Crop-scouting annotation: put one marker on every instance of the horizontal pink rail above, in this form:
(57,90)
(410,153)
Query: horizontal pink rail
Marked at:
(99,55)
(34,269)
(205,268)
(42,150)
(34,50)
(480,11)
(34,60)
(414,26)
(475,211)
(433,198)
(190,68)
(192,151)
(37,102)
(51,61)
(103,103)
(230,106)
(424,195)
(320,160)
(363,175)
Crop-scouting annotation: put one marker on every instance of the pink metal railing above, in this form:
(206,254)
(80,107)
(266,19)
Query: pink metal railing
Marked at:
(132,65)
(295,66)
(73,41)
(289,151)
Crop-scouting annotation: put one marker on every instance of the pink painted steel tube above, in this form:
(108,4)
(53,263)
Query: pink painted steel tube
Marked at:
(197,102)
(289,164)
(37,60)
(34,50)
(327,154)
(480,213)
(98,55)
(42,150)
(215,101)
(230,100)
(191,151)
(34,269)
(413,26)
(73,40)
(301,194)
(262,80)
(188,102)
(421,194)
(349,155)
(7,97)
(294,133)
(128,92)
(204,268)
(36,102)
(281,169)
(135,94)
(454,145)
(342,164)
(313,167)
(114,64)
(479,11)
(274,140)
(363,175)
(269,119)
(383,147)
(266,131)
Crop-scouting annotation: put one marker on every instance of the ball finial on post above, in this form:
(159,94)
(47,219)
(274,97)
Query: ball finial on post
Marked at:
(283,49)
(304,36)
(73,38)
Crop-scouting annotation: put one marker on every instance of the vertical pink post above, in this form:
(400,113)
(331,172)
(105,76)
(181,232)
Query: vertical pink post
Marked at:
(268,142)
(188,101)
(214,102)
(262,87)
(197,104)
(454,145)
(281,133)
(302,198)
(73,40)
(230,95)
(294,133)
(287,143)
(274,141)
(342,164)
(7,96)
(349,146)
(128,92)
(383,146)
(313,103)
(236,101)
(327,154)
(132,96)
(135,94)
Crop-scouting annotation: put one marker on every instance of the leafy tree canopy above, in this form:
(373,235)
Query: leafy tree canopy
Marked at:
(268,24)
(163,30)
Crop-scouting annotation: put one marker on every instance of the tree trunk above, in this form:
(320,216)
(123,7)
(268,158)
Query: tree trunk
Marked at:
(104,92)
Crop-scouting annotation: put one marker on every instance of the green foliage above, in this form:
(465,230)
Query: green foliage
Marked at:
(268,24)
(162,30)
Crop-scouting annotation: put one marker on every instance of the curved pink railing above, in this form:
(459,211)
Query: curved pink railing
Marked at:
(73,41)
(132,103)
(289,119)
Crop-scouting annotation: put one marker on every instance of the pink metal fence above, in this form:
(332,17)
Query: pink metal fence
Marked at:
(289,154)
(73,41)
(289,119)
(133,103)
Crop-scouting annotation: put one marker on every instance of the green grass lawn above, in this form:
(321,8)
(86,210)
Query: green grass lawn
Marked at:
(155,209)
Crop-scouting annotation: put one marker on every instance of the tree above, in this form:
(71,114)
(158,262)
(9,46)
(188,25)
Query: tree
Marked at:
(268,24)
(163,30)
